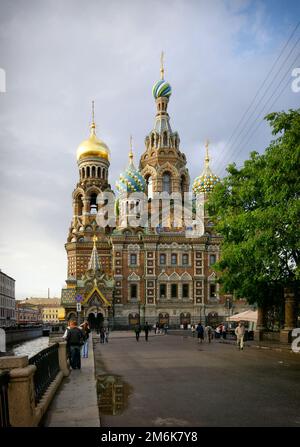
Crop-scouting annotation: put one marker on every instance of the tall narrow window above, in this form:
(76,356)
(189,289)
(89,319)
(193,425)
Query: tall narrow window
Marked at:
(174,259)
(212,291)
(185,291)
(93,171)
(212,259)
(162,290)
(133,291)
(133,259)
(185,259)
(165,139)
(173,290)
(167,183)
(162,259)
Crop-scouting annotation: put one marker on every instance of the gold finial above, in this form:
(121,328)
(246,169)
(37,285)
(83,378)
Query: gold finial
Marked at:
(93,125)
(206,155)
(95,239)
(130,152)
(162,71)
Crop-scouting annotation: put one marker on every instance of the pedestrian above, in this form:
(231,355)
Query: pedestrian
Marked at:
(137,330)
(224,331)
(166,327)
(200,332)
(85,332)
(218,332)
(106,334)
(193,329)
(65,338)
(102,335)
(146,329)
(208,333)
(240,333)
(74,341)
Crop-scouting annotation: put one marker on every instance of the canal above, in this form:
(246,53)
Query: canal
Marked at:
(29,347)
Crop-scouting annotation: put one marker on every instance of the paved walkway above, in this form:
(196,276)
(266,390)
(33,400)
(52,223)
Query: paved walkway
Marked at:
(75,404)
(173,381)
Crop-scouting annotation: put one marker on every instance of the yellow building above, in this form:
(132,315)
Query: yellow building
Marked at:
(51,310)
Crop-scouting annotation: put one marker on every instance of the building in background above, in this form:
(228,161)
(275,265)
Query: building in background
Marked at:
(28,315)
(7,301)
(157,273)
(51,310)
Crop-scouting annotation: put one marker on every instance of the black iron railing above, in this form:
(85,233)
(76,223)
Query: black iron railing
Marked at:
(4,413)
(47,368)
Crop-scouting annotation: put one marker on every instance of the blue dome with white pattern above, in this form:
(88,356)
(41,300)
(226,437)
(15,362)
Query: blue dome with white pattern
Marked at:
(131,180)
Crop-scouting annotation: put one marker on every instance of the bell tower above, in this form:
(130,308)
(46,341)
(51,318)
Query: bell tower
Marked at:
(162,164)
(93,157)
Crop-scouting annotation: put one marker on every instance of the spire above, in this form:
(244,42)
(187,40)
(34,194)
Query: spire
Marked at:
(130,152)
(162,70)
(206,153)
(94,263)
(93,125)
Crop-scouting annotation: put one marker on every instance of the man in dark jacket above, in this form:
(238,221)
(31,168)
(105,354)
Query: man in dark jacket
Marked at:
(200,332)
(146,329)
(74,341)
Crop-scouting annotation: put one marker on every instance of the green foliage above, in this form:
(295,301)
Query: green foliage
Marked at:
(256,209)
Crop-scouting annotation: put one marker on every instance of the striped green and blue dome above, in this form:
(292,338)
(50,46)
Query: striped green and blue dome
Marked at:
(161,88)
(131,180)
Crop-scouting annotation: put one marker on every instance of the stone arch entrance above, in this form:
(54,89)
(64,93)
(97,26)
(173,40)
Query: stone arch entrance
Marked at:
(185,319)
(95,316)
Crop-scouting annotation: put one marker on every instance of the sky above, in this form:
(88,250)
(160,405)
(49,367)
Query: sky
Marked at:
(58,56)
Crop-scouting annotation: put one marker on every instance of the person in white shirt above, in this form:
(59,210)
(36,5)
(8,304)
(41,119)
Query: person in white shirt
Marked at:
(240,333)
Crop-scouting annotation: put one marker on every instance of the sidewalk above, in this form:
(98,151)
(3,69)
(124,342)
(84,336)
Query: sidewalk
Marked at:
(75,404)
(280,347)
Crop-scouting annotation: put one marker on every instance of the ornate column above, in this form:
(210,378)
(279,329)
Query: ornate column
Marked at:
(289,315)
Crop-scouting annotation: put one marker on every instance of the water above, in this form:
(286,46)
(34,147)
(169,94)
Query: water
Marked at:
(112,393)
(30,347)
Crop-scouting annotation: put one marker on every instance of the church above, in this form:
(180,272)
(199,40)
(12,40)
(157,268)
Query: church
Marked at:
(123,273)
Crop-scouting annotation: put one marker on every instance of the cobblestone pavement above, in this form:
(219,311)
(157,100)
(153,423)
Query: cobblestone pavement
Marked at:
(172,380)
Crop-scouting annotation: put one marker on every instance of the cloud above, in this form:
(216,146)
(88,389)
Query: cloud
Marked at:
(59,56)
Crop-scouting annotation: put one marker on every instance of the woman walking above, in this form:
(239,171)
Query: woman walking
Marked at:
(85,332)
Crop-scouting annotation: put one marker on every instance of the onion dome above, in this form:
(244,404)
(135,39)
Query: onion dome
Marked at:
(207,180)
(161,88)
(131,180)
(93,146)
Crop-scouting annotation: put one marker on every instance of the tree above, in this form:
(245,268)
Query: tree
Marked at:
(256,209)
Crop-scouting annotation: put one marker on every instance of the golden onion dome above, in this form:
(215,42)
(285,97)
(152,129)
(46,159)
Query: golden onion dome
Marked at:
(93,147)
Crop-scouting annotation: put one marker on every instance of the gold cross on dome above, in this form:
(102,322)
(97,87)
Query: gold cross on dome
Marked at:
(162,71)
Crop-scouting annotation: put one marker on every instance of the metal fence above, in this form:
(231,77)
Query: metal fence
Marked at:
(47,368)
(4,413)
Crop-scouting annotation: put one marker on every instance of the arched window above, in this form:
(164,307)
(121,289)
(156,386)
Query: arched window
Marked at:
(79,204)
(94,205)
(99,173)
(167,182)
(93,171)
(88,171)
(165,139)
